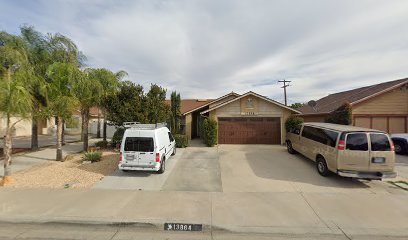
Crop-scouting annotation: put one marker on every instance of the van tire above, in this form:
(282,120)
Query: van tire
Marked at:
(174,151)
(290,148)
(321,166)
(162,167)
(399,149)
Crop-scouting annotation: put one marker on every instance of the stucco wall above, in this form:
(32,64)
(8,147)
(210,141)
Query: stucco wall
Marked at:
(394,102)
(22,128)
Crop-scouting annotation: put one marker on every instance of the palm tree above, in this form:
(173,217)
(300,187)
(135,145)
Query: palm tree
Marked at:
(87,90)
(15,99)
(39,56)
(61,100)
(67,59)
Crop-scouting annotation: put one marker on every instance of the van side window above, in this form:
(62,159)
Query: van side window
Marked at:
(307,132)
(380,142)
(322,136)
(357,142)
(171,138)
(296,130)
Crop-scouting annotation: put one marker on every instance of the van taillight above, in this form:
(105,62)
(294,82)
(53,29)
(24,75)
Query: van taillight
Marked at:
(392,146)
(120,157)
(341,145)
(157,157)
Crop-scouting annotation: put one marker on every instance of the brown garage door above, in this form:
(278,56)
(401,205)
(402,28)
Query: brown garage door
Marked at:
(390,124)
(249,130)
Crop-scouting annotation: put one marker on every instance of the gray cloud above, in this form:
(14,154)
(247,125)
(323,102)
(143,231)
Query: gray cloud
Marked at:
(208,48)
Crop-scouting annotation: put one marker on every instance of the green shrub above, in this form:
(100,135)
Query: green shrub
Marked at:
(292,122)
(92,156)
(117,137)
(181,140)
(341,115)
(101,144)
(210,130)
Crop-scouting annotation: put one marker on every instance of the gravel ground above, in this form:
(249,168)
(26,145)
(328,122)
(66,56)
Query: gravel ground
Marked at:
(72,172)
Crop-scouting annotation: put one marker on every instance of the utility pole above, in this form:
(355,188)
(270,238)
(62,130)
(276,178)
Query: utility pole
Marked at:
(284,81)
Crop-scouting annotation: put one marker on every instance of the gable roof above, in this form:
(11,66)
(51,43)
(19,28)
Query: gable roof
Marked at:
(189,104)
(211,102)
(254,94)
(334,101)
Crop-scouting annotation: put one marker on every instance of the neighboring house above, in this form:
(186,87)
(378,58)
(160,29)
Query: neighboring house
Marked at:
(242,119)
(382,106)
(48,127)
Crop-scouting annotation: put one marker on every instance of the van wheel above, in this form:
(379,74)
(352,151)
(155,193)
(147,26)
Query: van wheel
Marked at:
(321,166)
(162,167)
(174,151)
(398,148)
(290,148)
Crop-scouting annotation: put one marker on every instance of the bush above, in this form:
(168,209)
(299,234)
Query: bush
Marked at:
(117,137)
(181,140)
(341,115)
(292,122)
(92,156)
(101,144)
(210,130)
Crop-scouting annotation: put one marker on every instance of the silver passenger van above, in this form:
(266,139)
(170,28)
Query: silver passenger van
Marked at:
(345,150)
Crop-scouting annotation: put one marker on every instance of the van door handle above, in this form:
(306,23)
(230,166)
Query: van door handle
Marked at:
(142,153)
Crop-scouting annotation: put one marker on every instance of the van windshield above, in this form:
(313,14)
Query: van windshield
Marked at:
(139,144)
(379,142)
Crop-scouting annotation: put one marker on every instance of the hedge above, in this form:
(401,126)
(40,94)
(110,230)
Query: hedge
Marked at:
(117,137)
(341,115)
(181,140)
(210,130)
(292,122)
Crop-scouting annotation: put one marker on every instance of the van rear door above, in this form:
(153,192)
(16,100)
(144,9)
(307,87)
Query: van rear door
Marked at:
(130,154)
(356,154)
(382,157)
(145,151)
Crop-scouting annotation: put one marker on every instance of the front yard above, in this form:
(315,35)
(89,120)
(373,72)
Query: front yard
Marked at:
(71,173)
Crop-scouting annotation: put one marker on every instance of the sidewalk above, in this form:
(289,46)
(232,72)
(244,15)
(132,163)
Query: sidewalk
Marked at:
(299,214)
(31,159)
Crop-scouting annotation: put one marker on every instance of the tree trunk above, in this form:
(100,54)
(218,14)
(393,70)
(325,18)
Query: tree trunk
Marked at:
(85,121)
(98,131)
(7,148)
(63,133)
(59,138)
(104,126)
(34,132)
(82,127)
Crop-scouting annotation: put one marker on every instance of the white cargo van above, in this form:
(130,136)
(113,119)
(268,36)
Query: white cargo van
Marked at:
(146,147)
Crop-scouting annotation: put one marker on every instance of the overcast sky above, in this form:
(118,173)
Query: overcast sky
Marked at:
(205,49)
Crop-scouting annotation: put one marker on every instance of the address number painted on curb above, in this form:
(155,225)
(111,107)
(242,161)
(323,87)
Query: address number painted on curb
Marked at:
(182,227)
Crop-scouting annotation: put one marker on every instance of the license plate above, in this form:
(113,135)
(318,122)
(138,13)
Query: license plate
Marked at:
(182,227)
(130,157)
(378,160)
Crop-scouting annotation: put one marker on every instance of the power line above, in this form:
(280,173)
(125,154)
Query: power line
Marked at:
(284,81)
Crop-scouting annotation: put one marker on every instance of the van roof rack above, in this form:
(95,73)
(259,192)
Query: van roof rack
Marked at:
(138,125)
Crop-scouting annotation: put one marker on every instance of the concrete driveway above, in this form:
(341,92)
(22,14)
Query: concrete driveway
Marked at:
(240,168)
(266,168)
(195,168)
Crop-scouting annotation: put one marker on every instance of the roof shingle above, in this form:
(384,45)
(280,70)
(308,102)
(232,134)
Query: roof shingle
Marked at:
(334,101)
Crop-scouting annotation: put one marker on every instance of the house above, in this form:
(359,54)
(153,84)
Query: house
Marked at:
(382,106)
(249,118)
(48,126)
